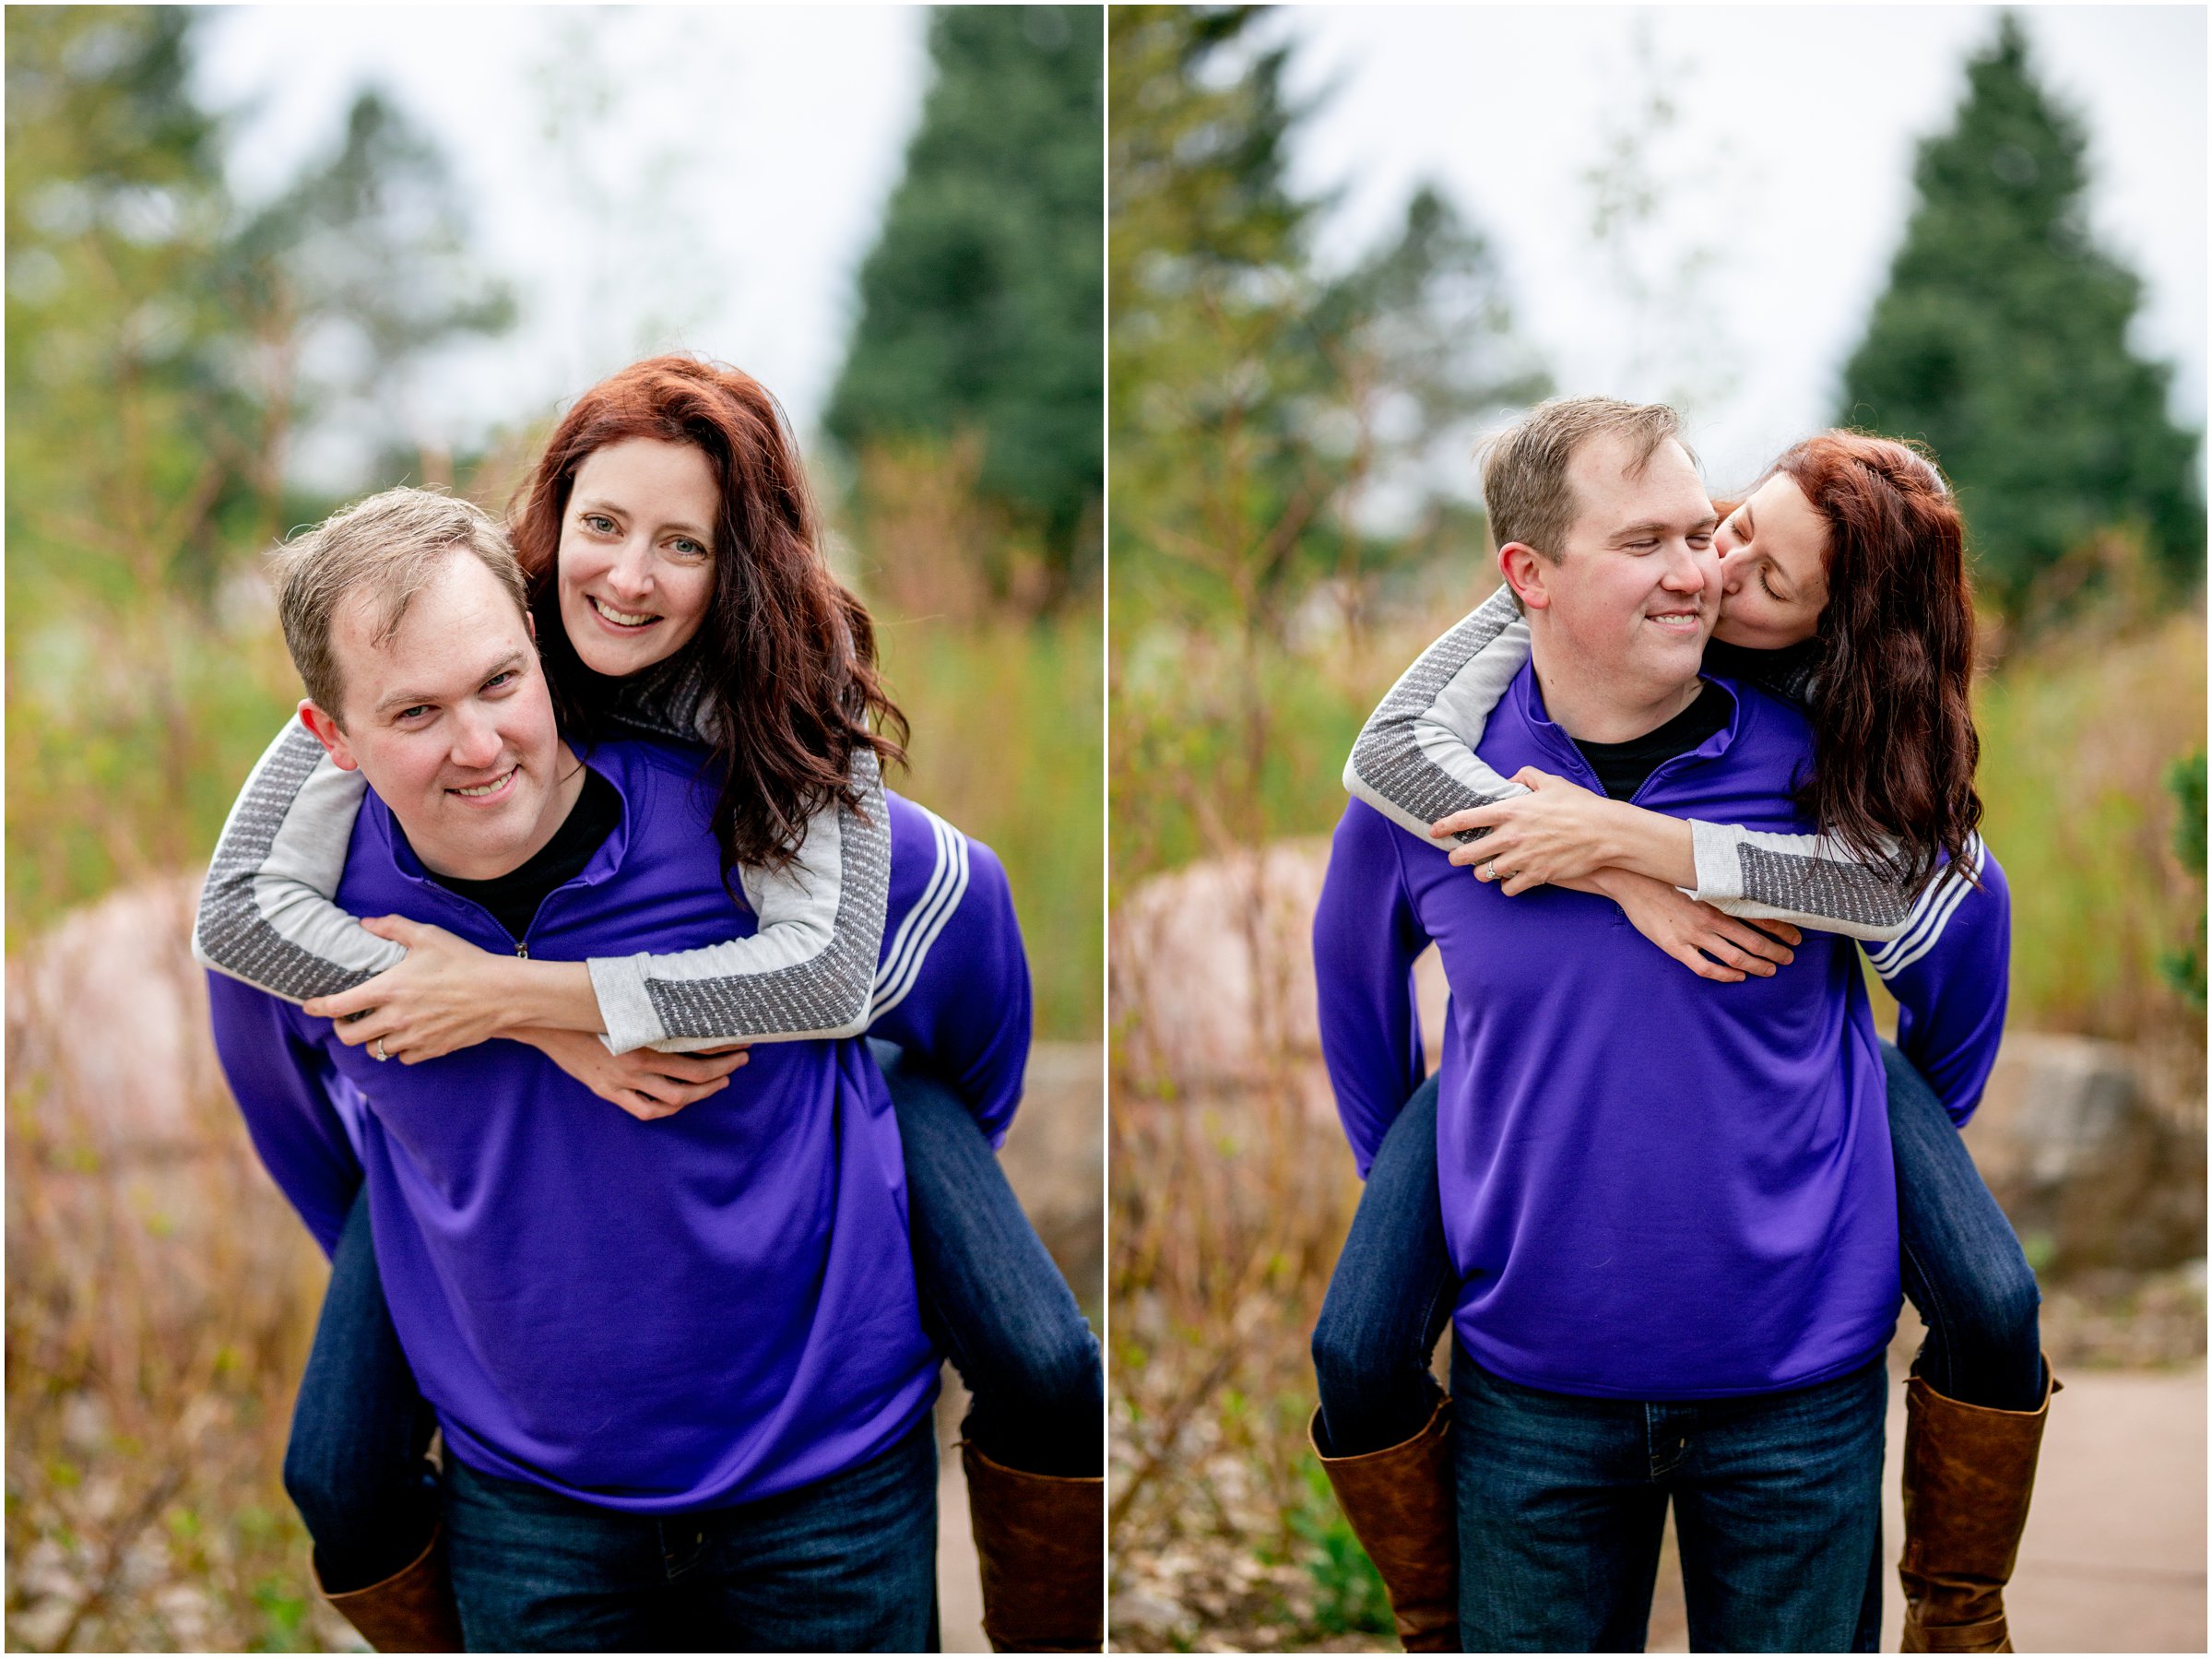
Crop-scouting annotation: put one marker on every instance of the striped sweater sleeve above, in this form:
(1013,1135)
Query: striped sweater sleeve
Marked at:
(809,972)
(1415,761)
(953,991)
(266,917)
(266,914)
(1949,969)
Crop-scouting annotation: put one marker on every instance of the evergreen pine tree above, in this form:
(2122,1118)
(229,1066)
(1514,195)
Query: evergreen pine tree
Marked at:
(2001,340)
(981,305)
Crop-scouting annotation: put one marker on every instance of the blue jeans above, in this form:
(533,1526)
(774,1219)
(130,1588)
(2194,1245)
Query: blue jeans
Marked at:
(1778,1508)
(356,1468)
(1394,1286)
(848,1564)
(990,1296)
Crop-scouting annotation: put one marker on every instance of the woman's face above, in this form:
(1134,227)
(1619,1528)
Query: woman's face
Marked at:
(1773,568)
(637,554)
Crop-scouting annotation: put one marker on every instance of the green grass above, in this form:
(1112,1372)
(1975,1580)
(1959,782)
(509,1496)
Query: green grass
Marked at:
(1008,732)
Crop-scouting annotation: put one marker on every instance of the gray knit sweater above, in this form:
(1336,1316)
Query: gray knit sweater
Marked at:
(1415,761)
(266,917)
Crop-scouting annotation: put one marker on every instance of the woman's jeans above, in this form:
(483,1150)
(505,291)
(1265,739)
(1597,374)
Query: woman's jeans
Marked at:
(848,1564)
(990,1296)
(1395,1287)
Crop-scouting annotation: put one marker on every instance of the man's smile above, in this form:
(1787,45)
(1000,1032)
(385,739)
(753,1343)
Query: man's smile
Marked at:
(494,790)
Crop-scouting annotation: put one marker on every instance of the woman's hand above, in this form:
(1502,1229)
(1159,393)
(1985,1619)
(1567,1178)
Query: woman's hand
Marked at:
(1709,943)
(1559,832)
(447,994)
(644,1083)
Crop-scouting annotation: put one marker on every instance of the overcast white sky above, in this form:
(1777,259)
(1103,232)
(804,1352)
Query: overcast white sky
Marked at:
(1792,160)
(744,155)
(722,202)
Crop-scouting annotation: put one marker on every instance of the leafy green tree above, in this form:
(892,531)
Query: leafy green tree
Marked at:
(165,347)
(980,304)
(2003,341)
(1253,395)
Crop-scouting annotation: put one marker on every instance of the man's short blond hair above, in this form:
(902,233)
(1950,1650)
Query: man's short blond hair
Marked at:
(387,548)
(1526,492)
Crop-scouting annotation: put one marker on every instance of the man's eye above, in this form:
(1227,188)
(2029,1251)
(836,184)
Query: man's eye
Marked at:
(1703,539)
(420,709)
(500,682)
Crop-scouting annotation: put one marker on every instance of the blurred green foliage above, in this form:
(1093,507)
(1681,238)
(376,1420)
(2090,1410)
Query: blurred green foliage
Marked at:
(1007,738)
(1254,394)
(1256,400)
(158,334)
(2001,340)
(981,305)
(2186,782)
(1349,1594)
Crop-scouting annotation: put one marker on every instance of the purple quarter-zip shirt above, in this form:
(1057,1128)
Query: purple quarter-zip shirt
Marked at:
(650,1316)
(1653,1185)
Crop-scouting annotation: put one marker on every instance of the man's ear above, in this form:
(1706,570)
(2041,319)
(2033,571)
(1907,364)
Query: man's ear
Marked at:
(328,734)
(1525,571)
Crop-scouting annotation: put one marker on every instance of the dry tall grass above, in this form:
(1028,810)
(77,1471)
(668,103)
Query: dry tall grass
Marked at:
(160,1296)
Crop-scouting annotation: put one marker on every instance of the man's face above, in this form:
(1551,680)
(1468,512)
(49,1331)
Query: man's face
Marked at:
(450,723)
(1635,588)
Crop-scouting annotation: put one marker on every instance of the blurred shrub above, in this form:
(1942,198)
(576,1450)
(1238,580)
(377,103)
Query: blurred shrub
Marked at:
(2185,781)
(160,1298)
(1008,734)
(1349,1597)
(2078,733)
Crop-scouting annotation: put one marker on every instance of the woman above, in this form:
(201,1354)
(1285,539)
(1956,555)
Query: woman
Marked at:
(1844,587)
(677,587)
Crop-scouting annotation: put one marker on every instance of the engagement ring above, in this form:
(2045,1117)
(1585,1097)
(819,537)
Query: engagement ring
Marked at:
(376,1047)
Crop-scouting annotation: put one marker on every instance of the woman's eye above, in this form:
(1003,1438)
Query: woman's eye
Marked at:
(688,547)
(598,524)
(1770,588)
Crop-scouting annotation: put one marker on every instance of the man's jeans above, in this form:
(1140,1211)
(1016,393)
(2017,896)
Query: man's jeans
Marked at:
(1776,1509)
(845,1565)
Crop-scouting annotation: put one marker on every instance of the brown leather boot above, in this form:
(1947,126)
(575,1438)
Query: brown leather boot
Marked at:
(1401,1505)
(1040,1542)
(411,1611)
(1968,1473)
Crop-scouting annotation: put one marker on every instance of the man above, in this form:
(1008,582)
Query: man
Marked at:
(1671,1203)
(678,1364)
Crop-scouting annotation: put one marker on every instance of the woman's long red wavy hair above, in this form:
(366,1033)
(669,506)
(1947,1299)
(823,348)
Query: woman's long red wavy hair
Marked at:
(788,653)
(1895,746)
